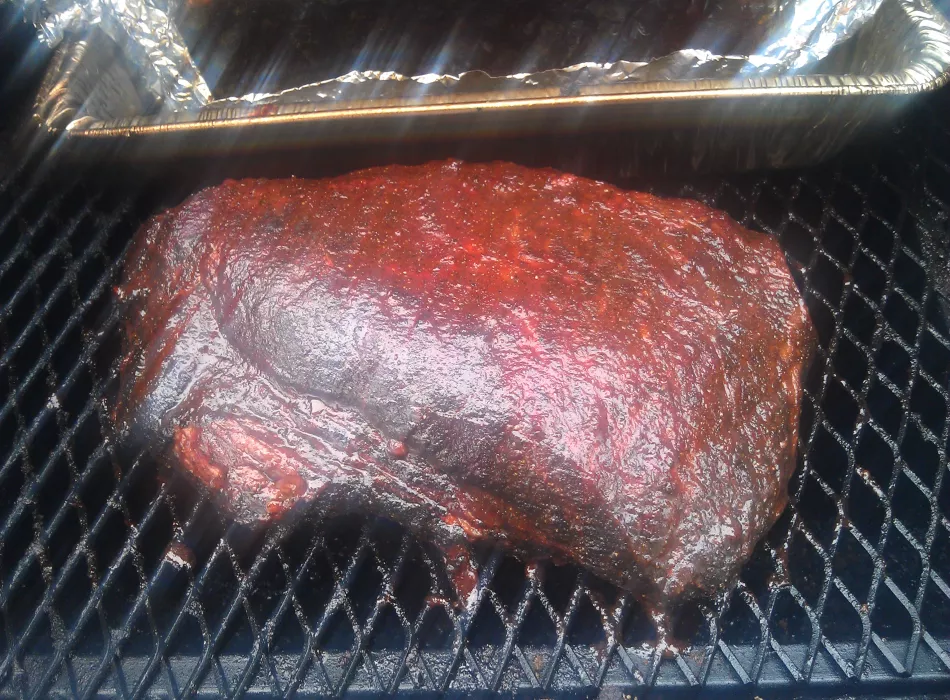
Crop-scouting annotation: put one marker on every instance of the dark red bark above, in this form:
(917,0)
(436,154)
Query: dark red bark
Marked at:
(476,351)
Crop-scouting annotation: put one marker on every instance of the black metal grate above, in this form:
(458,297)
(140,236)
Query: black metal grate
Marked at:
(853,584)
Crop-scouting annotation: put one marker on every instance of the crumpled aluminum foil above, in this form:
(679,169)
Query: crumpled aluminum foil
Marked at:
(145,31)
(813,29)
(805,31)
(373,85)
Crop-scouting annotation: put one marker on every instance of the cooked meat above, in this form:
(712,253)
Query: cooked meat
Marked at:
(476,352)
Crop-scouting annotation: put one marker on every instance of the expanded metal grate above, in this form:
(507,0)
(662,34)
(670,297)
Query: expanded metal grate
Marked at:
(117,578)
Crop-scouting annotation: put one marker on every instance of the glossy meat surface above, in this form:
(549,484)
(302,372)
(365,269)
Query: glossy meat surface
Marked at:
(477,352)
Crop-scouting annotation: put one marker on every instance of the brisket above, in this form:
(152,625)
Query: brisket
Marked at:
(478,352)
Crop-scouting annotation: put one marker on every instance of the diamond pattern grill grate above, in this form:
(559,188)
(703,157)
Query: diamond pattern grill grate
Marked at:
(117,578)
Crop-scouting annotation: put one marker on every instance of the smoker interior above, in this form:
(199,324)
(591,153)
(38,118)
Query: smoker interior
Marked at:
(118,578)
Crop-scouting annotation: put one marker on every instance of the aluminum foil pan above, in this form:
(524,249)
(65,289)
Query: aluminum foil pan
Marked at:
(816,73)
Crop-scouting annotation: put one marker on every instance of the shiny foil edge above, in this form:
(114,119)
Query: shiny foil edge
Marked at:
(927,67)
(801,32)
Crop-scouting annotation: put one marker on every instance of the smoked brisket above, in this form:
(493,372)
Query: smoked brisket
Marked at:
(478,352)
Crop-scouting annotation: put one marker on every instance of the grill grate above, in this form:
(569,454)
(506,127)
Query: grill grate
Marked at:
(854,582)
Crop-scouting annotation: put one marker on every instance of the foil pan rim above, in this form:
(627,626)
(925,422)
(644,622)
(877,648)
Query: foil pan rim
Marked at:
(929,69)
(645,92)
